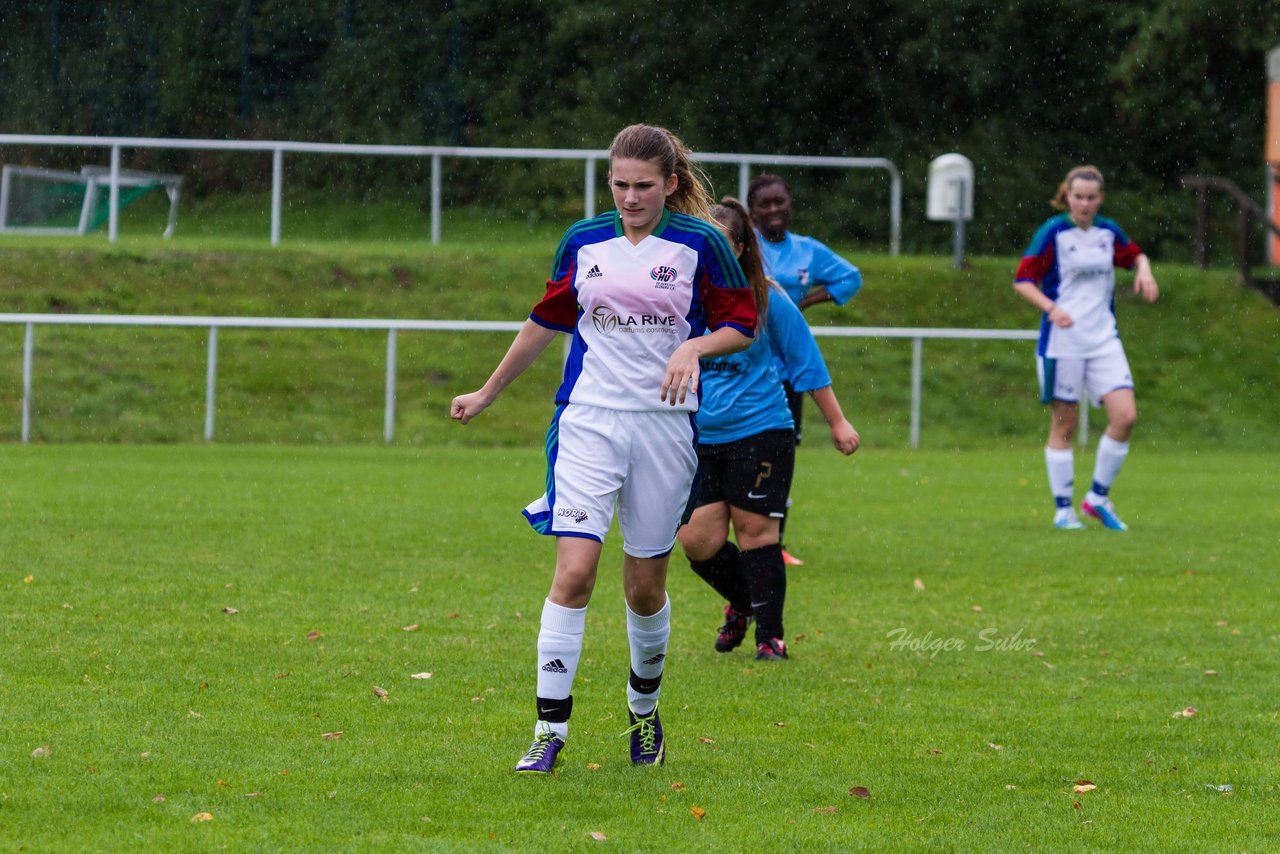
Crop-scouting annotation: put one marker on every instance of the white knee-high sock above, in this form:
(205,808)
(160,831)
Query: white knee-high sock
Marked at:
(1111,456)
(559,651)
(1060,463)
(648,639)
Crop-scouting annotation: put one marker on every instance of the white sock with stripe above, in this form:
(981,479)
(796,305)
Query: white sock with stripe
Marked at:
(559,651)
(647,637)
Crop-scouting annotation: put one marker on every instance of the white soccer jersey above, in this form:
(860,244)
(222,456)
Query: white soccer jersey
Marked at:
(1076,269)
(629,306)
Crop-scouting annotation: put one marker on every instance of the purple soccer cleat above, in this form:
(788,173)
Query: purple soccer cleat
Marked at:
(647,744)
(544,754)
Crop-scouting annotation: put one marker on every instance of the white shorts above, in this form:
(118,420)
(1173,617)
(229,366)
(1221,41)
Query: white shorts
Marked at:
(644,462)
(1064,378)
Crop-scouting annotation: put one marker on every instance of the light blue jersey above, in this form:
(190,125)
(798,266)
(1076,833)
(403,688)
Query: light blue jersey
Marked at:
(801,263)
(742,393)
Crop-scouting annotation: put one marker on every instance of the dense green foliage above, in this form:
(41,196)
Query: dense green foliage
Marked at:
(1199,354)
(134,700)
(1149,90)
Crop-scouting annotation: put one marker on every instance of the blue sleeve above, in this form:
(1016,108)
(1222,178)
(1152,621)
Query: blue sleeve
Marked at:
(794,345)
(841,279)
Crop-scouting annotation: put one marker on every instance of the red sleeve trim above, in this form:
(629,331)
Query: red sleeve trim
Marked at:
(1126,256)
(558,308)
(1033,268)
(734,307)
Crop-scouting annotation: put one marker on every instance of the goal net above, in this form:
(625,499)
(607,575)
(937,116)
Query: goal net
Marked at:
(34,200)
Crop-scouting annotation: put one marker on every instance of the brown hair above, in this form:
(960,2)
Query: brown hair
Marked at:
(1083,173)
(647,142)
(758,183)
(734,217)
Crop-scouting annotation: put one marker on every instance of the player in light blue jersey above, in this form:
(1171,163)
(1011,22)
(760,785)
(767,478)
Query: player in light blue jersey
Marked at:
(746,449)
(1068,272)
(806,268)
(645,291)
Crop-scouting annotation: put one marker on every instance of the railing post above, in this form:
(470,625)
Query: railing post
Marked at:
(113,214)
(210,383)
(389,413)
(435,198)
(277,193)
(917,358)
(895,212)
(28,348)
(1082,423)
(589,189)
(744,181)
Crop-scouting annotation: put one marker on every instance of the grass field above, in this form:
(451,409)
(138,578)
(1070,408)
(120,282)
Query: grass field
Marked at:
(133,700)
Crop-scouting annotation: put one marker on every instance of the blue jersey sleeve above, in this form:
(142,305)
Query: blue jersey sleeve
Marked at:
(794,346)
(841,279)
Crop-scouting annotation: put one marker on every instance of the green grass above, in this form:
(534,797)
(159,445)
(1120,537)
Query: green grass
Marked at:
(1198,354)
(117,562)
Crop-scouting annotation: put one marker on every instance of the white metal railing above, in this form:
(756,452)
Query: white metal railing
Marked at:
(437,153)
(213,324)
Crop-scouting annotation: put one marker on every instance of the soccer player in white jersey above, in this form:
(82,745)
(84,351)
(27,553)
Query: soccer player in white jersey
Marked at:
(1068,272)
(636,289)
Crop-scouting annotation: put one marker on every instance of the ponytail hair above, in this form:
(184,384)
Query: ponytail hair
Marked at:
(1083,173)
(648,142)
(733,217)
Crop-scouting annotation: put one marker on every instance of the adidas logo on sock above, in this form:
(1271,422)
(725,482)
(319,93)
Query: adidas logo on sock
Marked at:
(657,659)
(555,665)
(594,272)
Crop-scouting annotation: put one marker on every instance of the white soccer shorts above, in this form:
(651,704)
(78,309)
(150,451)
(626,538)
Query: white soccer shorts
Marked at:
(644,462)
(1064,378)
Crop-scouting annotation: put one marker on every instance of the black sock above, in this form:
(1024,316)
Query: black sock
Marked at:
(723,571)
(767,579)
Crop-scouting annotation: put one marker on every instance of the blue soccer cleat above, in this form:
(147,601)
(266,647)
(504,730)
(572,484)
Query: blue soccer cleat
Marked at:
(1067,520)
(544,754)
(1105,513)
(648,747)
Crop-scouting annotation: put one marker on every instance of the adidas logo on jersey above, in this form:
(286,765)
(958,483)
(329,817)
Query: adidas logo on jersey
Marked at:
(555,665)
(594,272)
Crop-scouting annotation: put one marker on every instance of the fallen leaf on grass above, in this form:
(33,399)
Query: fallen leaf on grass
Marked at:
(284,772)
(223,784)
(918,584)
(28,579)
(1083,786)
(1211,673)
(313,635)
(934,751)
(779,723)
(158,799)
(453,616)
(1077,806)
(253,794)
(977,609)
(798,637)
(42,752)
(1221,623)
(201,816)
(593,766)
(421,675)
(230,611)
(380,693)
(192,713)
(332,736)
(1010,786)
(1188,712)
(144,754)
(698,812)
(704,740)
(598,836)
(427,818)
(412,628)
(861,792)
(1038,653)
(825,810)
(995,746)
(675,787)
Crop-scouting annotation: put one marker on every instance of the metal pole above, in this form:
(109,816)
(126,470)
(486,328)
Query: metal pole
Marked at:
(113,229)
(1082,425)
(589,189)
(389,414)
(958,250)
(895,212)
(277,193)
(210,383)
(28,347)
(917,358)
(744,180)
(435,198)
